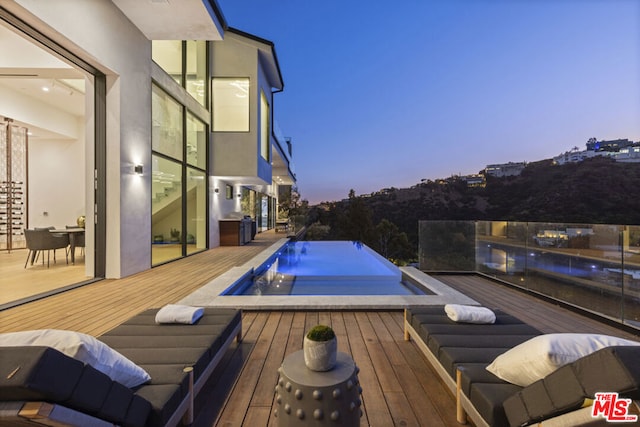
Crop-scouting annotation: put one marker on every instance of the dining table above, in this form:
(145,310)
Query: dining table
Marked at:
(73,233)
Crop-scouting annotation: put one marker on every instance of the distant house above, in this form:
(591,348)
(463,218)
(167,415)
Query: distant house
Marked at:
(612,145)
(474,180)
(576,155)
(505,169)
(621,150)
(628,155)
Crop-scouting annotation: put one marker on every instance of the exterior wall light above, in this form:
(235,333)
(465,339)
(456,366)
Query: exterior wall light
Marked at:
(217,190)
(138,169)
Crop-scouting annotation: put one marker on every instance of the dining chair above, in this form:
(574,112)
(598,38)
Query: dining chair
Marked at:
(40,240)
(79,239)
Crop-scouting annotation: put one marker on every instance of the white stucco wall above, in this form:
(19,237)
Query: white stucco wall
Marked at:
(238,153)
(56,182)
(220,207)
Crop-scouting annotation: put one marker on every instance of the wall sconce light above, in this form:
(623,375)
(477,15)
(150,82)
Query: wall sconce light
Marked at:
(138,169)
(217,190)
(239,195)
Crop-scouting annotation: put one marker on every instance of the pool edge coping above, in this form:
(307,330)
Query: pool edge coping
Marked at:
(209,295)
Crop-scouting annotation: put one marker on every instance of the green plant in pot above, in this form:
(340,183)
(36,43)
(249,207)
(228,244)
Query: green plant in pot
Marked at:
(320,348)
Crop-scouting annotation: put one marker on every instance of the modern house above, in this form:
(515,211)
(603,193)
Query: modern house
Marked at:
(153,120)
(505,169)
(620,150)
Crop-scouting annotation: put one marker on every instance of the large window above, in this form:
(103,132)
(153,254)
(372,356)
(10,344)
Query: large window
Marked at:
(185,62)
(264,127)
(179,185)
(168,55)
(167,130)
(196,70)
(196,142)
(230,104)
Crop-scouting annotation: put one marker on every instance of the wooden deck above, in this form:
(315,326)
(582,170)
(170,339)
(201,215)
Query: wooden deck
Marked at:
(547,317)
(399,386)
(99,307)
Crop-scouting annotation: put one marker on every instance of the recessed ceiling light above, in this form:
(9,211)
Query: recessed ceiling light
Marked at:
(45,88)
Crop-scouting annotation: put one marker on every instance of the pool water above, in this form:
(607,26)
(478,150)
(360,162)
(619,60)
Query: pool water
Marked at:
(326,268)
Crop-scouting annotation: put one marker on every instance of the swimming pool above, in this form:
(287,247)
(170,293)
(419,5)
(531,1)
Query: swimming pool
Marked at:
(325,268)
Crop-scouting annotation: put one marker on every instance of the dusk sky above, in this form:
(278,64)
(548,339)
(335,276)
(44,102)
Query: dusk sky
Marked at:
(384,94)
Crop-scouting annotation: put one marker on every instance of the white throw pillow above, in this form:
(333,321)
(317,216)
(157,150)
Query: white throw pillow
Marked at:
(538,357)
(84,348)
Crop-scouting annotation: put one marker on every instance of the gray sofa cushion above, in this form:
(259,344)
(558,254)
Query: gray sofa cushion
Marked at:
(37,373)
(46,374)
(451,357)
(164,350)
(435,341)
(488,400)
(475,373)
(164,398)
(91,390)
(611,369)
(472,347)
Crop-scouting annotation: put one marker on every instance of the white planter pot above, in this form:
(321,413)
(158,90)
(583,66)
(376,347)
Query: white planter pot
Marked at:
(320,355)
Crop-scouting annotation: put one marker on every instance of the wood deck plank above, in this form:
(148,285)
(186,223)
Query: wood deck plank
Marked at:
(401,411)
(373,401)
(99,307)
(546,316)
(386,376)
(264,392)
(236,407)
(337,323)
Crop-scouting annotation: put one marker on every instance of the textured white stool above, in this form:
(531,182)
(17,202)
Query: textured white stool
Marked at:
(309,398)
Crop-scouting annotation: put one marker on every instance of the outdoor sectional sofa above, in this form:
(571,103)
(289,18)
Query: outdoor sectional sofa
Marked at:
(41,383)
(461,352)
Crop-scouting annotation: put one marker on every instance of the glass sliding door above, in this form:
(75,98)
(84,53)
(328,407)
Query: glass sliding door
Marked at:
(52,183)
(196,155)
(166,210)
(196,234)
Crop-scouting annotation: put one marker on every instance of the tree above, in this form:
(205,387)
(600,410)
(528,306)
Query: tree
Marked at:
(390,242)
(356,224)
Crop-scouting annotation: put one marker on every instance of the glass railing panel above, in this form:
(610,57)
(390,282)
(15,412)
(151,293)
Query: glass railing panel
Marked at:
(447,245)
(631,277)
(501,250)
(578,264)
(592,266)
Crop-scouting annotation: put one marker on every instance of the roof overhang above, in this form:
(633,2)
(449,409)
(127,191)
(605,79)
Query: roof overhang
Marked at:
(281,171)
(266,54)
(175,19)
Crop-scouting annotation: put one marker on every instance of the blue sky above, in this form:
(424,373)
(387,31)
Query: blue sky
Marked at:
(384,94)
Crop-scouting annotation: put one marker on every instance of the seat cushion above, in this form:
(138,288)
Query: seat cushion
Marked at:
(611,369)
(450,357)
(488,400)
(164,350)
(35,373)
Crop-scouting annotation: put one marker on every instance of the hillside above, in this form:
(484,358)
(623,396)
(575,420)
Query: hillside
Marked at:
(597,190)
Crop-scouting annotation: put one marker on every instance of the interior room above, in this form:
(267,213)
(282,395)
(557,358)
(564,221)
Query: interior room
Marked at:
(44,157)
